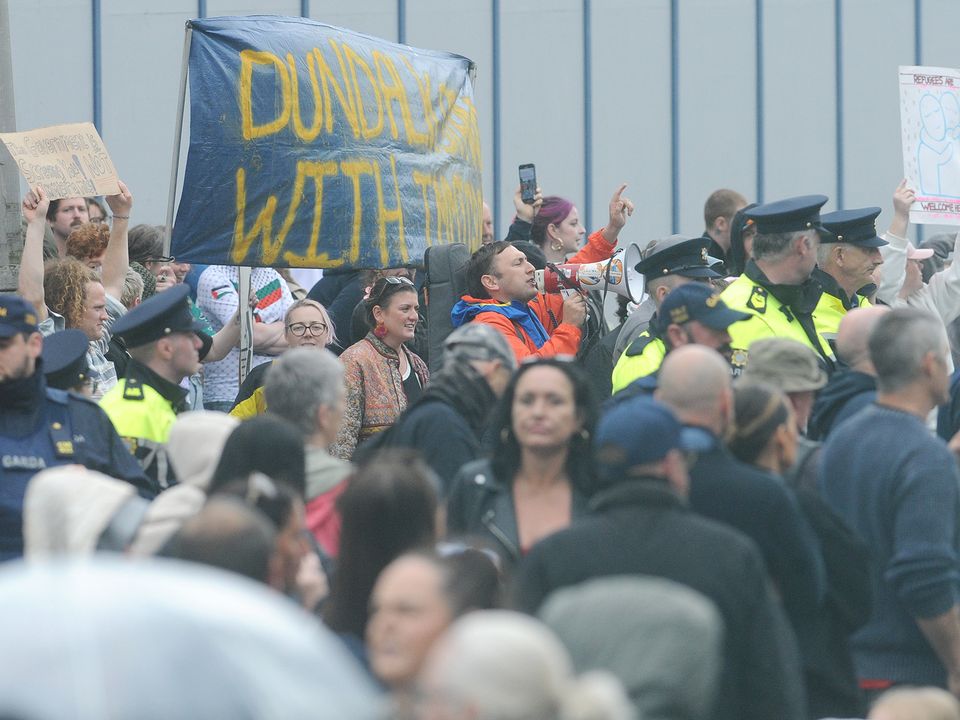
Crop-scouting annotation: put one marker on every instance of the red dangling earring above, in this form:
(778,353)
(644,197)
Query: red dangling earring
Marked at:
(380,331)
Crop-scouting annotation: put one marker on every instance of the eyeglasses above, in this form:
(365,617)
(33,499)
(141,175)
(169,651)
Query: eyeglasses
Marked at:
(300,329)
(162,259)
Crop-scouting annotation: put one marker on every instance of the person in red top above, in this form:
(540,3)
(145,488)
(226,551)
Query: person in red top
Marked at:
(503,294)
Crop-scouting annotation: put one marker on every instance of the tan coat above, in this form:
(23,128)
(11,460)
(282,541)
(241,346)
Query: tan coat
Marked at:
(375,395)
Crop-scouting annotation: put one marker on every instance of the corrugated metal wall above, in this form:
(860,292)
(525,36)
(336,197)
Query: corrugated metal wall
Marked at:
(674,97)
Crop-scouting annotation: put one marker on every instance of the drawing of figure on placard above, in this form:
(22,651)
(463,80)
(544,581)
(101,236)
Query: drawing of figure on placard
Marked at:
(950,171)
(936,149)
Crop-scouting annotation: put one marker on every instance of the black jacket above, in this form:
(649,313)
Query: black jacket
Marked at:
(642,527)
(445,425)
(481,505)
(338,291)
(762,507)
(847,392)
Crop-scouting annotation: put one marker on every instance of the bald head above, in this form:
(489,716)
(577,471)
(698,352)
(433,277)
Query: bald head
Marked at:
(852,337)
(694,381)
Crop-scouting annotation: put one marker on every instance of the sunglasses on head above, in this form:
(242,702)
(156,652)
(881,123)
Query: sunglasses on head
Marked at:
(390,280)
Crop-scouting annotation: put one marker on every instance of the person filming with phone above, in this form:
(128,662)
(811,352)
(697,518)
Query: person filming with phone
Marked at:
(502,293)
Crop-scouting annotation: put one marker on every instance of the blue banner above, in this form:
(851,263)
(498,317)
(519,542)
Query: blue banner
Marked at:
(315,146)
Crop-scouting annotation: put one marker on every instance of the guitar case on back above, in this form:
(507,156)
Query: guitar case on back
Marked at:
(446,268)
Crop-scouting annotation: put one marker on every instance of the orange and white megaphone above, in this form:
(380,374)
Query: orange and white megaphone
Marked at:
(616,274)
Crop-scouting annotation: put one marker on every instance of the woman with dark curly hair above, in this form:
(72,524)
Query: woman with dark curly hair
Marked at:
(542,464)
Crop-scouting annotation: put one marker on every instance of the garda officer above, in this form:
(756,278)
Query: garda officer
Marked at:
(776,287)
(41,427)
(692,314)
(65,364)
(666,264)
(166,345)
(845,265)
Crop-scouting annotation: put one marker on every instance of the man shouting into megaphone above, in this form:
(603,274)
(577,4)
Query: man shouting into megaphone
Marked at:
(503,293)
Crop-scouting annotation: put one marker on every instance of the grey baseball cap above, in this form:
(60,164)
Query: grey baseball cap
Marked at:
(477,341)
(784,363)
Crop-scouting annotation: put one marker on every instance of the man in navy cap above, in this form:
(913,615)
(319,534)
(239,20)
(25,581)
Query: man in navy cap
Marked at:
(846,262)
(166,345)
(640,525)
(41,427)
(692,314)
(776,287)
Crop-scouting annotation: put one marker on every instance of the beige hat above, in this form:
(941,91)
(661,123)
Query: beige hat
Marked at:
(785,364)
(67,508)
(195,443)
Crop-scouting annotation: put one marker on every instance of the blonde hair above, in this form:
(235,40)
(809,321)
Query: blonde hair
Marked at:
(307,302)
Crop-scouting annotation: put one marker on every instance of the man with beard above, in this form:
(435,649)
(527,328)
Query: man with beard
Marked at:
(63,216)
(41,427)
(692,314)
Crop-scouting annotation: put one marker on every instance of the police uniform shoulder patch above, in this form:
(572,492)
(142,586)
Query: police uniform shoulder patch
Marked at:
(636,347)
(132,389)
(758,299)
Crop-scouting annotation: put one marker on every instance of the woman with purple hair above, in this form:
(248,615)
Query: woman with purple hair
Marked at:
(558,232)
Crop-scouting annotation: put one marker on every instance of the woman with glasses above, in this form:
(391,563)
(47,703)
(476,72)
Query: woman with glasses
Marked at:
(542,461)
(306,324)
(382,375)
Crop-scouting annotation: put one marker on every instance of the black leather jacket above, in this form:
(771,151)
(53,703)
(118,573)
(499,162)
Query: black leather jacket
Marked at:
(480,505)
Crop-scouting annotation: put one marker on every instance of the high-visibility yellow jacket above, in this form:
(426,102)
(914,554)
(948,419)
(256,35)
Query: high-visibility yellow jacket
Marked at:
(641,358)
(142,408)
(770,318)
(833,305)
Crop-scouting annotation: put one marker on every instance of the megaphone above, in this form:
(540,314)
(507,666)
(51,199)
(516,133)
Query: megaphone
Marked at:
(616,274)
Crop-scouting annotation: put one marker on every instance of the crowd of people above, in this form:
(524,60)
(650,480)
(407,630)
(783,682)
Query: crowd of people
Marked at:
(742,501)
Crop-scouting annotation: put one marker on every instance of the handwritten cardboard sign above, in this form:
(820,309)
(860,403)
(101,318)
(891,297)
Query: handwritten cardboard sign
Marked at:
(66,160)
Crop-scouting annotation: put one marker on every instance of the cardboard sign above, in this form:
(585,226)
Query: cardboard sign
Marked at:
(66,160)
(314,146)
(930,130)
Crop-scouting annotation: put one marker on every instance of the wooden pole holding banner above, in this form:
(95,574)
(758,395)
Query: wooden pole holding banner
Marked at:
(246,322)
(181,105)
(11,242)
